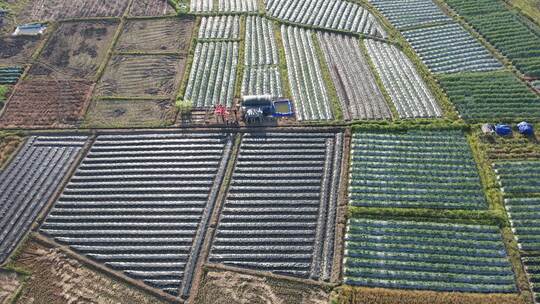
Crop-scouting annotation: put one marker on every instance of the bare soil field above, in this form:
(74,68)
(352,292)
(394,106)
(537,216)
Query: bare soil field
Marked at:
(57,278)
(8,145)
(49,10)
(142,75)
(76,50)
(106,113)
(157,35)
(46,103)
(9,283)
(221,286)
(151,8)
(17,50)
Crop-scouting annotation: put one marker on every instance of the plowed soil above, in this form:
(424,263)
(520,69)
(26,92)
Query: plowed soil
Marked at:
(17,50)
(151,8)
(48,10)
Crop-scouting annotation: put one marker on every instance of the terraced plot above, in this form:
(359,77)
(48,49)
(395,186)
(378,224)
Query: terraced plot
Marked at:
(305,76)
(519,176)
(532,264)
(449,48)
(488,96)
(140,204)
(213,74)
(426,256)
(358,93)
(157,35)
(517,39)
(238,5)
(408,91)
(29,181)
(10,75)
(411,13)
(328,14)
(152,8)
(49,10)
(75,51)
(220,27)
(414,169)
(141,76)
(280,210)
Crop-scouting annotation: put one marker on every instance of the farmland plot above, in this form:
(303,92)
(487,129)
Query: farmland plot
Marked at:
(140,204)
(261,60)
(151,8)
(332,14)
(408,91)
(414,169)
(305,76)
(213,74)
(531,267)
(49,10)
(426,256)
(10,75)
(488,96)
(46,103)
(238,5)
(17,50)
(201,5)
(280,210)
(29,181)
(141,76)
(357,90)
(220,27)
(517,39)
(449,49)
(106,113)
(75,50)
(411,13)
(157,35)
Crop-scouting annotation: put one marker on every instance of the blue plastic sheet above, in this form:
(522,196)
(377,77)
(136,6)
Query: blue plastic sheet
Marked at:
(525,128)
(503,130)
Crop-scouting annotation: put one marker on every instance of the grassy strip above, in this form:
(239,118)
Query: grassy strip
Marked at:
(378,80)
(189,61)
(240,67)
(417,124)
(287,92)
(327,78)
(530,9)
(356,295)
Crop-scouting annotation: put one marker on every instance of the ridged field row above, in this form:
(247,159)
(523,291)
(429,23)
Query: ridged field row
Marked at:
(411,13)
(408,91)
(532,267)
(262,80)
(201,6)
(220,27)
(414,169)
(238,5)
(10,75)
(280,210)
(328,14)
(213,74)
(141,203)
(359,95)
(427,256)
(309,92)
(30,181)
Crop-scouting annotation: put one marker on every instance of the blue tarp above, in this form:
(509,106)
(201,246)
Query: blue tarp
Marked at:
(525,128)
(503,130)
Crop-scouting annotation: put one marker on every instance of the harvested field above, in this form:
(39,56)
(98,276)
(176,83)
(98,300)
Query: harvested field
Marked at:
(407,89)
(151,8)
(9,283)
(76,50)
(280,211)
(220,27)
(8,145)
(49,10)
(358,93)
(414,169)
(222,286)
(107,113)
(140,204)
(363,295)
(157,35)
(58,278)
(46,103)
(427,256)
(515,147)
(142,75)
(29,181)
(17,50)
